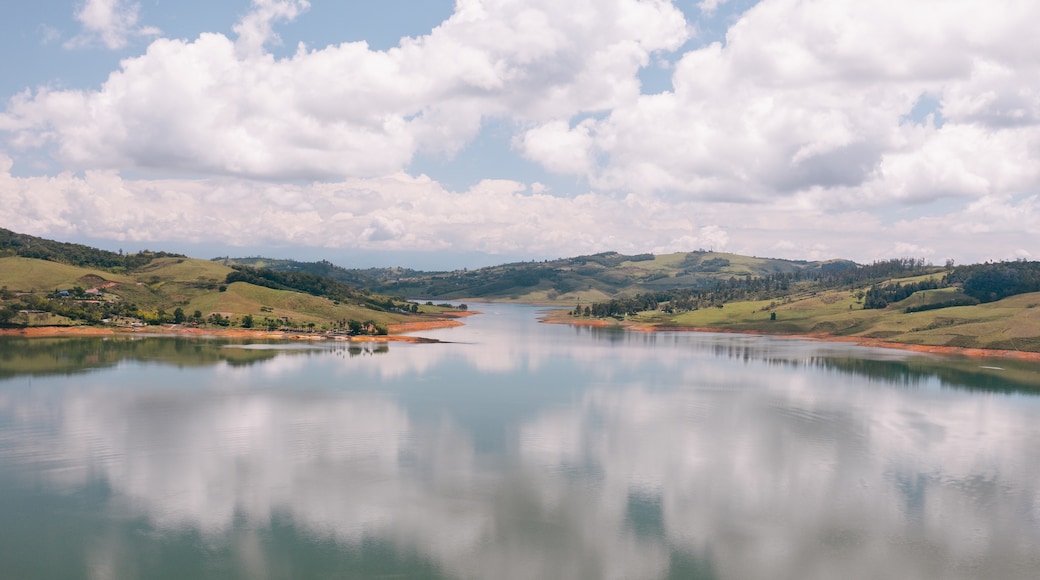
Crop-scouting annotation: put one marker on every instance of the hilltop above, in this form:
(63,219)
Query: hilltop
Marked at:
(993,306)
(565,280)
(989,306)
(49,283)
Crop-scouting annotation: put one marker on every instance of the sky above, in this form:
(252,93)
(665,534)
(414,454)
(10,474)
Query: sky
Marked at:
(438,135)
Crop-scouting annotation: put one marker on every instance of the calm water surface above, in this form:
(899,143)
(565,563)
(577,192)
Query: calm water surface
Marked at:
(520,450)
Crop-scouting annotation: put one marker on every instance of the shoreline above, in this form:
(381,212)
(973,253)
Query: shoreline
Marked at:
(968,352)
(399,332)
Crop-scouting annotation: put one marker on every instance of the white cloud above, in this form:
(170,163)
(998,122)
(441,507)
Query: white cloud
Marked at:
(781,498)
(217,106)
(811,97)
(49,34)
(795,129)
(255,29)
(559,147)
(109,23)
(496,217)
(710,6)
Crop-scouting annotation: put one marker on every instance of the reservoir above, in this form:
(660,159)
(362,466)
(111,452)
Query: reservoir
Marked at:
(515,449)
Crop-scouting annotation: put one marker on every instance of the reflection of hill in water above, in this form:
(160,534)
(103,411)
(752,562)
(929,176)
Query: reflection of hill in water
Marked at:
(983,375)
(1008,376)
(57,356)
(895,367)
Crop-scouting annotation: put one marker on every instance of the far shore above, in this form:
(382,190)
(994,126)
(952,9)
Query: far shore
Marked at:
(401,333)
(397,332)
(558,318)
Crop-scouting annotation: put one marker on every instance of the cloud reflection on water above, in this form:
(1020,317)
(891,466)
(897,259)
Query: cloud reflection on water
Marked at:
(749,457)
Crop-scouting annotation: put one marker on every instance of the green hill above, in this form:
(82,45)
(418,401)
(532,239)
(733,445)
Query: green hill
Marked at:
(948,308)
(566,280)
(43,282)
(991,305)
(26,246)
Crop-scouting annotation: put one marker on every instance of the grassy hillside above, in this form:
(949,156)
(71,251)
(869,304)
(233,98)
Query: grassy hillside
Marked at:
(360,278)
(30,275)
(1009,324)
(26,246)
(587,278)
(267,303)
(52,283)
(167,284)
(992,305)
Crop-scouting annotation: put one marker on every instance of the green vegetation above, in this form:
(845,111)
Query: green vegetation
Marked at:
(46,283)
(930,309)
(313,284)
(990,282)
(14,244)
(588,279)
(991,305)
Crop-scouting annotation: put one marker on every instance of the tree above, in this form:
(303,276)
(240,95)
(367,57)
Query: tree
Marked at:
(7,314)
(247,321)
(178,315)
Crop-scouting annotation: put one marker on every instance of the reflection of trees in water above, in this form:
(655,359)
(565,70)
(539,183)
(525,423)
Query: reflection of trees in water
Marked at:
(368,349)
(968,374)
(1011,376)
(65,356)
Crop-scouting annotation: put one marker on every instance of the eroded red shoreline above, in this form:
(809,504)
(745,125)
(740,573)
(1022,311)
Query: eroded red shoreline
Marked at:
(446,320)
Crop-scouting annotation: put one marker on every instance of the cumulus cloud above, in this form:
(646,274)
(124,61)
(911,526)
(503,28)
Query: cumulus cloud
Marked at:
(497,217)
(256,28)
(798,129)
(808,97)
(559,147)
(220,106)
(110,23)
(710,6)
(664,446)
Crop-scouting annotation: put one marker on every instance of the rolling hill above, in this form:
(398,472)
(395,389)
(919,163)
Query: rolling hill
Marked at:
(44,282)
(566,280)
(988,306)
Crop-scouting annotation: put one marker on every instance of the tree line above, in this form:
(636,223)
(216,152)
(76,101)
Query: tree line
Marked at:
(26,246)
(985,282)
(313,284)
(994,281)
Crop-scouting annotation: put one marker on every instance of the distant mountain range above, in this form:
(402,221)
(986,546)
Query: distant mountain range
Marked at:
(583,278)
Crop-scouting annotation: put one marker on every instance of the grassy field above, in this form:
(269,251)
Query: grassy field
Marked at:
(1009,324)
(184,270)
(240,299)
(591,278)
(190,284)
(29,275)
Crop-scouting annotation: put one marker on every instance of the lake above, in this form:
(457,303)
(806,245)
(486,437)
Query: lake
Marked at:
(516,450)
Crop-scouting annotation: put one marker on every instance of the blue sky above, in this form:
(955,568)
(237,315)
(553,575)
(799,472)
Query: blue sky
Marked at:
(441,134)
